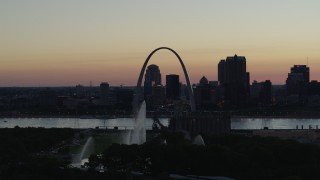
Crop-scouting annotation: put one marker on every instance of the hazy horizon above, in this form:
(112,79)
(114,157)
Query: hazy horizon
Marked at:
(64,43)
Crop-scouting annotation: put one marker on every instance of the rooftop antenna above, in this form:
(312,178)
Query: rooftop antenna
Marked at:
(307,60)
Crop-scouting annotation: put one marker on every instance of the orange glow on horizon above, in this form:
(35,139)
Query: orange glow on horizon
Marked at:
(63,43)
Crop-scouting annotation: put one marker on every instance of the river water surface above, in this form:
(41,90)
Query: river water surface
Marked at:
(128,123)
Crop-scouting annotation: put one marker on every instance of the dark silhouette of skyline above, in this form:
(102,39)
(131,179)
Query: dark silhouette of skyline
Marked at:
(152,77)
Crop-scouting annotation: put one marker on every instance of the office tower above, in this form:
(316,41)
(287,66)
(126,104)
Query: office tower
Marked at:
(158,95)
(172,87)
(152,77)
(266,92)
(314,88)
(261,92)
(294,83)
(298,80)
(302,69)
(204,94)
(255,90)
(221,71)
(104,92)
(236,80)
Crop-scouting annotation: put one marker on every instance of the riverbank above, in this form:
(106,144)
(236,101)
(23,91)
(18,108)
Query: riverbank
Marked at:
(314,116)
(300,135)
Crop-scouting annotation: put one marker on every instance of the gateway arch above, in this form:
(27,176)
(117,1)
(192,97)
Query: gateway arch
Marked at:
(138,89)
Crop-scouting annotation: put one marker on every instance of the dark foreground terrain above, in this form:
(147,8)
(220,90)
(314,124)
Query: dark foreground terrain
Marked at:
(26,153)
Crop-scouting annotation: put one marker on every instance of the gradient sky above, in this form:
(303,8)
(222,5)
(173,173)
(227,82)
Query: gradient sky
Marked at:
(69,42)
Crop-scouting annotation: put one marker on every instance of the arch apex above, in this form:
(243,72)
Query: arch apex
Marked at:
(138,89)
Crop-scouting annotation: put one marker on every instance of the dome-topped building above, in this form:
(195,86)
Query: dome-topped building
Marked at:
(203,81)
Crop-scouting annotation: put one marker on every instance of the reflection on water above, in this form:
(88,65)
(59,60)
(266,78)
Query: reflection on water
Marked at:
(274,123)
(128,123)
(121,123)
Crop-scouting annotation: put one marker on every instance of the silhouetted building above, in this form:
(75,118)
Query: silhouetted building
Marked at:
(294,83)
(298,80)
(213,84)
(158,95)
(314,88)
(172,87)
(236,81)
(255,90)
(152,77)
(204,94)
(221,71)
(266,92)
(314,93)
(248,83)
(104,93)
(261,92)
(184,92)
(302,69)
(216,92)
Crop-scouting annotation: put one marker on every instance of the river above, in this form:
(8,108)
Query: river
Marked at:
(128,123)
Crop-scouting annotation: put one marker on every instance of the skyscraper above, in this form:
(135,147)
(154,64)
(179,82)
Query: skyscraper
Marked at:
(221,71)
(158,95)
(152,77)
(298,79)
(266,92)
(204,94)
(261,92)
(104,92)
(172,87)
(236,80)
(302,69)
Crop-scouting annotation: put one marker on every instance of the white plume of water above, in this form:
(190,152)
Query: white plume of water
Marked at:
(86,150)
(198,140)
(87,147)
(125,137)
(138,134)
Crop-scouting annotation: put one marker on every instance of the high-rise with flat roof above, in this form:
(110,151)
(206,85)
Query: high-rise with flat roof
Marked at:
(221,71)
(104,93)
(172,87)
(302,69)
(298,80)
(236,80)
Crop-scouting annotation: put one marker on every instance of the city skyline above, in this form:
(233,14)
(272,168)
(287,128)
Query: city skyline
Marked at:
(66,43)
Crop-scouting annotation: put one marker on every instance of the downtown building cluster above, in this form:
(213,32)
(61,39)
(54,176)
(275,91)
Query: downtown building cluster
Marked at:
(232,89)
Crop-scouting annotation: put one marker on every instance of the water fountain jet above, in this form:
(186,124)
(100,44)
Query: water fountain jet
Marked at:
(138,134)
(82,157)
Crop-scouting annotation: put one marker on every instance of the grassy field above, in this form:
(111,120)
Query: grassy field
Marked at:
(103,141)
(100,142)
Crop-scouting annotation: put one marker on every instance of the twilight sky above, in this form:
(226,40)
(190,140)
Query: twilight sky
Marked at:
(69,42)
